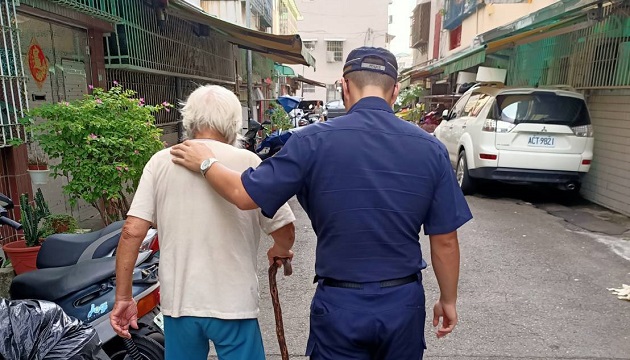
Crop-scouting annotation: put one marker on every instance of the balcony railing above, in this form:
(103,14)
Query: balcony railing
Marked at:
(263,8)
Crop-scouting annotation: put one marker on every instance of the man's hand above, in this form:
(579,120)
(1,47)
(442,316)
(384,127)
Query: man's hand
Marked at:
(124,314)
(448,313)
(191,154)
(278,252)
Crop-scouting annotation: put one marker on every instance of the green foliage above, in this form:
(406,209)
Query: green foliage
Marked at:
(5,263)
(410,95)
(58,223)
(102,141)
(32,216)
(279,118)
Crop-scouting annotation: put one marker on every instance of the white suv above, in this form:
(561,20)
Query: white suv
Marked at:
(532,135)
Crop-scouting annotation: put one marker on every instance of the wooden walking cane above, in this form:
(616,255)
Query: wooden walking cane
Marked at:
(273,288)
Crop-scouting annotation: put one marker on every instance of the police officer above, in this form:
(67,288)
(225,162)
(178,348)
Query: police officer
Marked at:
(368,181)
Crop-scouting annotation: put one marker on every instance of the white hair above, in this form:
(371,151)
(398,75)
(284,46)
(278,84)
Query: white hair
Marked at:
(216,108)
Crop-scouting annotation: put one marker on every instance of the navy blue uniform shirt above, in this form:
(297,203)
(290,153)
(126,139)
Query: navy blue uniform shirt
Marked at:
(368,181)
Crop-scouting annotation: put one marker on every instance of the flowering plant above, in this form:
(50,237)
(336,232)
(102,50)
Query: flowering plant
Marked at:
(102,143)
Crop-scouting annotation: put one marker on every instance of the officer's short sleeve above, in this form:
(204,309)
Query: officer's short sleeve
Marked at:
(449,209)
(278,178)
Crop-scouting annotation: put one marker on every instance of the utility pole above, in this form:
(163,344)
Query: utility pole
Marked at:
(250,80)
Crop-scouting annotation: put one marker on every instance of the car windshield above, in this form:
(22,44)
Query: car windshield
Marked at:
(545,108)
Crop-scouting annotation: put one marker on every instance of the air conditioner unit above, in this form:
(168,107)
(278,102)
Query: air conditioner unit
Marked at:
(330,56)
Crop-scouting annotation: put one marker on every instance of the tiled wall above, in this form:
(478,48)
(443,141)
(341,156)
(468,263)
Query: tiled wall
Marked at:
(14,180)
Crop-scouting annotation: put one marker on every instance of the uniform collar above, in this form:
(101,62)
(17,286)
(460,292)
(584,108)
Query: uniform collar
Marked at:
(371,103)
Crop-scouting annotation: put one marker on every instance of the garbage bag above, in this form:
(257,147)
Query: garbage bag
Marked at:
(40,330)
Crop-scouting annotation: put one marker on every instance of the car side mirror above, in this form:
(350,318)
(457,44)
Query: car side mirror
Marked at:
(445,115)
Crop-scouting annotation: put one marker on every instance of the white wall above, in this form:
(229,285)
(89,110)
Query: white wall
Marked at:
(231,11)
(334,19)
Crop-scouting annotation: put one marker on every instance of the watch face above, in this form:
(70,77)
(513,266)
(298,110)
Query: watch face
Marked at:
(204,164)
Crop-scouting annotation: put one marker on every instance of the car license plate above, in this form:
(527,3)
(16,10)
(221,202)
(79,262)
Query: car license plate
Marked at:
(159,321)
(542,141)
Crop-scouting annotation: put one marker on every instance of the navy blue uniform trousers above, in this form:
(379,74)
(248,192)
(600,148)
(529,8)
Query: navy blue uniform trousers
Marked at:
(371,323)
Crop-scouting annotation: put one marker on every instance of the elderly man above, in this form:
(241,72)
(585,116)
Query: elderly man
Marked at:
(208,246)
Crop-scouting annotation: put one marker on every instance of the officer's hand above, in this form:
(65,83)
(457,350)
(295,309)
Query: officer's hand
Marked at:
(191,154)
(448,313)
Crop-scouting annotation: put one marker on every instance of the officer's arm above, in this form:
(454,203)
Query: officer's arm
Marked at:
(226,182)
(445,262)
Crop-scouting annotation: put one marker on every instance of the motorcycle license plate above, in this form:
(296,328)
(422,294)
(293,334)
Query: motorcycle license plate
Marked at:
(159,321)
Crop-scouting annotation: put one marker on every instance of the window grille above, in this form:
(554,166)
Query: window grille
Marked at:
(176,47)
(13,102)
(334,51)
(332,93)
(596,56)
(421,27)
(308,88)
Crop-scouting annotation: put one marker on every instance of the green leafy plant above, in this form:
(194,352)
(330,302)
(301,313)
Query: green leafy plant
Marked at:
(32,215)
(5,263)
(58,224)
(280,120)
(102,142)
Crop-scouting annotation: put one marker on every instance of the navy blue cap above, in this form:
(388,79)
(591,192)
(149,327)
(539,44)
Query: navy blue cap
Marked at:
(371,59)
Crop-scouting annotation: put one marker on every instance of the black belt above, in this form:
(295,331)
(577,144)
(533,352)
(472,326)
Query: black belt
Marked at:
(354,285)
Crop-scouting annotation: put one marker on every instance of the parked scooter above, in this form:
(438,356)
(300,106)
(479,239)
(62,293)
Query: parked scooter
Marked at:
(77,272)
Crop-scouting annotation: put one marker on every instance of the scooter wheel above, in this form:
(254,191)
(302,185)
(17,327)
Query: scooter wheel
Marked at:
(148,348)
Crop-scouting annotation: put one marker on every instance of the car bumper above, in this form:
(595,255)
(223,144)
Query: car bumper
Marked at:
(527,175)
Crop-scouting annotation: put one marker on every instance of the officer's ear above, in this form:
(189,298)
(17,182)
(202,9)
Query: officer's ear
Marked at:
(395,93)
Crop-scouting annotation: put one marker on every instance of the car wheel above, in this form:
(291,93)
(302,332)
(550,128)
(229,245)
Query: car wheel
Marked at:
(466,183)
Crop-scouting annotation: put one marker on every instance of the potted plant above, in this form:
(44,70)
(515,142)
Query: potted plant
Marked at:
(38,169)
(100,143)
(58,224)
(23,253)
(6,276)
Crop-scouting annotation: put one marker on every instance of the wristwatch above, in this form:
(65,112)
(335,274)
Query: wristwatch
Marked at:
(205,166)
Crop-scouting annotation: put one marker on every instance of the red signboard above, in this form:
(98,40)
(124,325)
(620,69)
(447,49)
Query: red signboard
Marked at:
(37,63)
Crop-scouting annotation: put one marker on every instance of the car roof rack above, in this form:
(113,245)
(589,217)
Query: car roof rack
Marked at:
(558,87)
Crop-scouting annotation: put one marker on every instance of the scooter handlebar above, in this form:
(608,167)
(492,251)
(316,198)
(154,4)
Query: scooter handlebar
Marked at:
(12,223)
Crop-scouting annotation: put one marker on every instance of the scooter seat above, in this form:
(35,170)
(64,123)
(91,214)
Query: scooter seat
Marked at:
(66,249)
(54,283)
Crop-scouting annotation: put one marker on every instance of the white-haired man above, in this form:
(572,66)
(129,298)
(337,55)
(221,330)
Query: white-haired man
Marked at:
(208,246)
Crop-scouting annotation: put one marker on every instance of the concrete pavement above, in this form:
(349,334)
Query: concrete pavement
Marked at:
(532,287)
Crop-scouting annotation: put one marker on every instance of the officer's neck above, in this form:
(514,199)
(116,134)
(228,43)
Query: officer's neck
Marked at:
(357,94)
(209,134)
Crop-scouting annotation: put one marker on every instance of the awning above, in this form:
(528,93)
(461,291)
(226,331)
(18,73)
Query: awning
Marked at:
(550,15)
(309,81)
(554,29)
(464,59)
(285,49)
(282,70)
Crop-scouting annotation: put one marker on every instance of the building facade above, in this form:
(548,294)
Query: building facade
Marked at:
(584,44)
(330,30)
(285,17)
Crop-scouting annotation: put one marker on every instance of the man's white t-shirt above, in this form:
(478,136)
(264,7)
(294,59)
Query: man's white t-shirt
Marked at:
(208,247)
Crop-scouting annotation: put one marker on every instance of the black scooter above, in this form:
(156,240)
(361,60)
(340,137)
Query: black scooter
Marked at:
(77,272)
